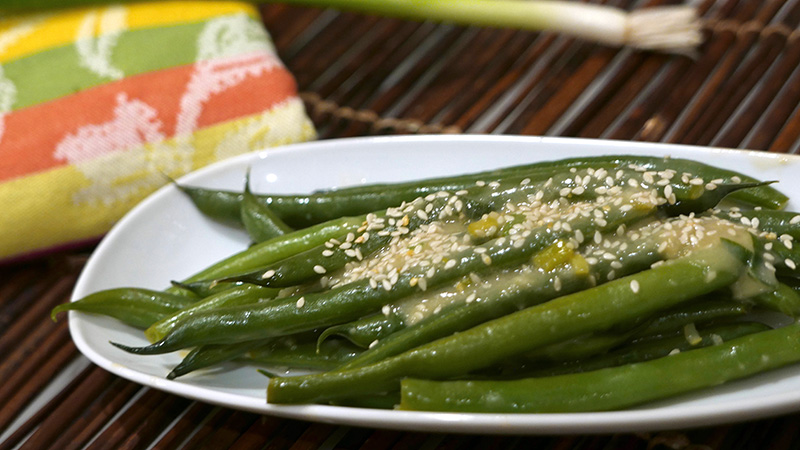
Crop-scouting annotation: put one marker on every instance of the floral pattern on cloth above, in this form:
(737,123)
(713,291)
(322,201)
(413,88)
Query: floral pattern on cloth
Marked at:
(97,105)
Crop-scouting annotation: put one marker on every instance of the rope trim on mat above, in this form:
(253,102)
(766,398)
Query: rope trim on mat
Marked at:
(318,107)
(751,27)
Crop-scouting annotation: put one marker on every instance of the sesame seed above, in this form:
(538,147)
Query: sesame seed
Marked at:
(450,264)
(373,343)
(795,220)
(790,264)
(327,253)
(300,302)
(696,182)
(635,286)
(268,274)
(319,269)
(557,283)
(471,298)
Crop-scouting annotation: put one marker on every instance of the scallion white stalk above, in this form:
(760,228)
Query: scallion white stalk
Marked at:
(669,28)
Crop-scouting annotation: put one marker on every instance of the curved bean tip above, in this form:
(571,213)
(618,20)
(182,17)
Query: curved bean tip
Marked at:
(152,349)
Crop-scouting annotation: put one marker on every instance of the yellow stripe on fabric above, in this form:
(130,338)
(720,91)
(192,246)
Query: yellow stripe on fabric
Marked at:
(48,209)
(32,33)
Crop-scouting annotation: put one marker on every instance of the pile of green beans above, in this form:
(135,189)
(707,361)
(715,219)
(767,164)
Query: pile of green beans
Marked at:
(549,287)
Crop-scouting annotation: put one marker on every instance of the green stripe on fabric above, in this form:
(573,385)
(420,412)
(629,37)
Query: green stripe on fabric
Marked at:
(59,72)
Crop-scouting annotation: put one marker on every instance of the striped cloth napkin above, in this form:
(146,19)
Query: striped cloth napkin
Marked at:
(98,104)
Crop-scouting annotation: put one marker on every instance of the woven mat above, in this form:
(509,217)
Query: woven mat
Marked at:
(363,75)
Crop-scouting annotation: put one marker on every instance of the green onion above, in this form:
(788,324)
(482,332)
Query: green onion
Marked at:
(669,28)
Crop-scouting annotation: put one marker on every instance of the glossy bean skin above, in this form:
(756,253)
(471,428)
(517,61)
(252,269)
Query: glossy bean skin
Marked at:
(276,249)
(645,351)
(353,300)
(305,210)
(234,296)
(506,294)
(261,223)
(612,388)
(570,316)
(139,308)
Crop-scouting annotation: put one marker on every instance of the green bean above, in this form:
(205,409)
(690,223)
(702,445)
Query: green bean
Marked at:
(669,323)
(258,219)
(612,388)
(381,228)
(700,312)
(783,299)
(778,222)
(303,355)
(350,301)
(507,293)
(317,261)
(566,317)
(651,349)
(304,210)
(139,308)
(278,248)
(366,330)
(210,355)
(239,295)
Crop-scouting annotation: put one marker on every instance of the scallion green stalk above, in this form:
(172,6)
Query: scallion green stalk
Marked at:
(669,28)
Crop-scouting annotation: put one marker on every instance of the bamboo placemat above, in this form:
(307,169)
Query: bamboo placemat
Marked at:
(362,75)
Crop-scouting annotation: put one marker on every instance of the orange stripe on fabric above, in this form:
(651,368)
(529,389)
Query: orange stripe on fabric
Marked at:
(33,134)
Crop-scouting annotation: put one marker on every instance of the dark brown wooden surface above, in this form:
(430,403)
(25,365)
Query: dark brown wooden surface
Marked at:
(361,75)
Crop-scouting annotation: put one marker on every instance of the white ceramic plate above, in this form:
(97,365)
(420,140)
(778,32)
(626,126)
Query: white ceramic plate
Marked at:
(165,238)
